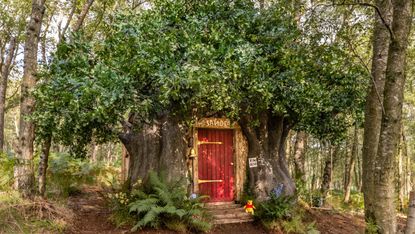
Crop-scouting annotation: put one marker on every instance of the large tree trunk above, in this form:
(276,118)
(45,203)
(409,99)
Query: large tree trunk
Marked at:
(374,103)
(384,207)
(24,171)
(266,142)
(299,156)
(350,166)
(160,146)
(5,71)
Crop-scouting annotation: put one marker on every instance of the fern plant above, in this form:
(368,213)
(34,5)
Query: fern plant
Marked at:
(275,208)
(160,204)
(6,171)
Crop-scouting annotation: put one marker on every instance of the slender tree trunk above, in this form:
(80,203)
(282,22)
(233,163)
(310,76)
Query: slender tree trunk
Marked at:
(358,166)
(384,207)
(62,33)
(44,160)
(353,156)
(43,165)
(267,143)
(410,221)
(328,171)
(24,171)
(374,104)
(44,37)
(399,174)
(94,151)
(5,71)
(408,167)
(325,185)
(299,156)
(358,173)
(83,14)
(109,154)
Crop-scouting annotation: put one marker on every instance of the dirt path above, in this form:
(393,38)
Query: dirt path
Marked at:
(91,217)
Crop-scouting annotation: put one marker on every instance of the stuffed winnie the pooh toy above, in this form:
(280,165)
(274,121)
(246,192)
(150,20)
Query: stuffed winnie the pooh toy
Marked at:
(249,207)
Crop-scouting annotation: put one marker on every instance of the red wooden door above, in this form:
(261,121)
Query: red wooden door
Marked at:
(215,159)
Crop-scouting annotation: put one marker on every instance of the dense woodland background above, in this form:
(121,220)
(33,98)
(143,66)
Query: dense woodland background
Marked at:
(338,75)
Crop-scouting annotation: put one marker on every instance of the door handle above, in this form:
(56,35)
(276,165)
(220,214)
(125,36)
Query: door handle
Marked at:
(208,181)
(209,143)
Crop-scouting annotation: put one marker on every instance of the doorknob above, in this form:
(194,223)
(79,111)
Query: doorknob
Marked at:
(231,163)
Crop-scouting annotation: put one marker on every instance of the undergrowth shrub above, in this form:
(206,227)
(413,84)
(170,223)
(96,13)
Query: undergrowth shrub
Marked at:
(274,208)
(6,171)
(157,203)
(66,174)
(118,202)
(18,215)
(296,225)
(281,214)
(355,205)
(371,227)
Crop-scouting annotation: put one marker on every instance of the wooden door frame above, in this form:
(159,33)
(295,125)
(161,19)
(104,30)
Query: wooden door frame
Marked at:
(213,124)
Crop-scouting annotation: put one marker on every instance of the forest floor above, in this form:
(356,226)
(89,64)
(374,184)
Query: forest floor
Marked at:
(91,216)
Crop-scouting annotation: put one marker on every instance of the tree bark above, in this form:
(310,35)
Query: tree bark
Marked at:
(24,171)
(358,171)
(83,14)
(43,165)
(266,142)
(374,104)
(5,71)
(299,156)
(410,221)
(328,171)
(160,146)
(94,152)
(353,156)
(384,207)
(399,173)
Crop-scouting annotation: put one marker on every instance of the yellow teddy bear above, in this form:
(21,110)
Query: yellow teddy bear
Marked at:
(249,207)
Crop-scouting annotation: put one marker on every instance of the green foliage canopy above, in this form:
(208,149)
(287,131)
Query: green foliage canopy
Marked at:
(197,57)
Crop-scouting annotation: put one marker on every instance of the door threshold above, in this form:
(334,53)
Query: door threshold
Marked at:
(220,203)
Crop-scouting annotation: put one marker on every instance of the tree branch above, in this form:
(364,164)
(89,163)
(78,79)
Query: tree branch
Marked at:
(378,12)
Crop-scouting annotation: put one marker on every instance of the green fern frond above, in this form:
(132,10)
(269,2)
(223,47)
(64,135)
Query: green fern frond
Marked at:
(155,182)
(139,194)
(172,210)
(143,205)
(167,204)
(199,225)
(164,196)
(195,212)
(150,217)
